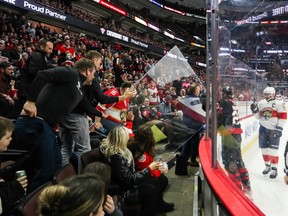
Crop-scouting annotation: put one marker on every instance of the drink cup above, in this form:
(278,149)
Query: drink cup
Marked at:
(163,167)
(13,93)
(20,173)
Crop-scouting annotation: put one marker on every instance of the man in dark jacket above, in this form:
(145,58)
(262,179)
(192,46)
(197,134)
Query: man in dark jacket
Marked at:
(74,128)
(35,63)
(54,93)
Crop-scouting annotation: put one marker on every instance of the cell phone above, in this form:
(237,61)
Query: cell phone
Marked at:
(102,130)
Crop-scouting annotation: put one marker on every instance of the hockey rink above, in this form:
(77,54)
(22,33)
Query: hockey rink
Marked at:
(270,195)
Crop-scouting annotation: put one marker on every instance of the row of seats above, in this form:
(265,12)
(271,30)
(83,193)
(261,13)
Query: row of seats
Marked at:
(29,205)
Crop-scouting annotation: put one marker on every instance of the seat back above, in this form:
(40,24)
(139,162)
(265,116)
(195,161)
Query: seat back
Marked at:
(94,155)
(9,167)
(30,206)
(64,172)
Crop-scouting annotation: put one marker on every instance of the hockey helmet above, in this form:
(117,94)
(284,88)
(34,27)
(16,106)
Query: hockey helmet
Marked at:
(227,92)
(269,92)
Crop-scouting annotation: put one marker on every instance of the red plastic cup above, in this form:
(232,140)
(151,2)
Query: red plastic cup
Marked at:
(13,93)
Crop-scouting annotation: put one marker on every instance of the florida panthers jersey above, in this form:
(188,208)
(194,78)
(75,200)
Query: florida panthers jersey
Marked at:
(272,114)
(117,111)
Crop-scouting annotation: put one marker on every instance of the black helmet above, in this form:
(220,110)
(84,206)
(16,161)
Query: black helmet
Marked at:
(227,92)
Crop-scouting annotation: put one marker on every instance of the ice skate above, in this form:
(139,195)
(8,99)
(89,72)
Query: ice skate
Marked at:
(274,173)
(266,170)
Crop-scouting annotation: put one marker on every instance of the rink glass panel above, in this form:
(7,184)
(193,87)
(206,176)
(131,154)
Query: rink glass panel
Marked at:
(252,54)
(165,78)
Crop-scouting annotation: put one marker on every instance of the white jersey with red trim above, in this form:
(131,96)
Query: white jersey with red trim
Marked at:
(272,114)
(116,111)
(153,95)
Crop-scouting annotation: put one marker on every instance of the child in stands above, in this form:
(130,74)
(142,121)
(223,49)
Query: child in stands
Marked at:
(11,191)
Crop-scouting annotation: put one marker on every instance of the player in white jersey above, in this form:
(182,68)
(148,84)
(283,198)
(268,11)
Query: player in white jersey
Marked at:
(272,117)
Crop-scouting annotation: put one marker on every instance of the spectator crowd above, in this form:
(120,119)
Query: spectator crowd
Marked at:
(49,85)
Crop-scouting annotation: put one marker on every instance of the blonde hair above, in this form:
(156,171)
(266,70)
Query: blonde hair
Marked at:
(116,143)
(78,196)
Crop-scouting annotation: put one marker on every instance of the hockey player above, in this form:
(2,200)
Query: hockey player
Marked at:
(230,131)
(272,117)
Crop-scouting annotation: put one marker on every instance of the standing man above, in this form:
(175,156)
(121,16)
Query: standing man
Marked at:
(74,127)
(54,93)
(272,117)
(193,120)
(36,62)
(96,94)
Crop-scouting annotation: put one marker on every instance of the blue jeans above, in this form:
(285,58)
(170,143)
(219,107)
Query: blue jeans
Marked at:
(108,124)
(74,136)
(39,138)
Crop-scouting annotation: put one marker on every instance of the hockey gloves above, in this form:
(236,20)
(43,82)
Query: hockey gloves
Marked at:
(254,108)
(277,133)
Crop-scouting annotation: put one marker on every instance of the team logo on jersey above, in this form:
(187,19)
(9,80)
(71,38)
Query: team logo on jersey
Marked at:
(123,114)
(266,113)
(68,55)
(142,158)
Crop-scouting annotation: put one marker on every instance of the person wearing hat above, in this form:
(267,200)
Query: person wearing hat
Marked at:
(7,100)
(165,107)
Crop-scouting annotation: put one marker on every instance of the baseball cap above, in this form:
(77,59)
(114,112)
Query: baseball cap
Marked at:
(168,97)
